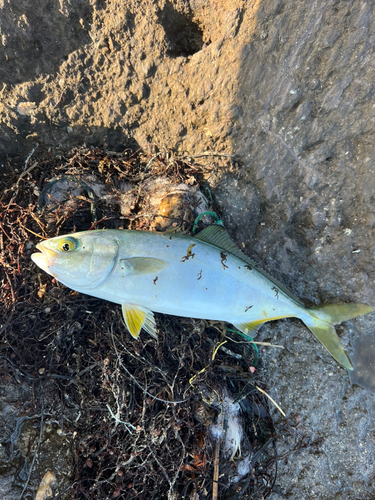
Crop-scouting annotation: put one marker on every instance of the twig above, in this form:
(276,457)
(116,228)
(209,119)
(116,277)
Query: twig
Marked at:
(40,224)
(205,154)
(11,288)
(3,230)
(94,224)
(26,172)
(268,344)
(215,485)
(32,232)
(31,154)
(121,421)
(269,397)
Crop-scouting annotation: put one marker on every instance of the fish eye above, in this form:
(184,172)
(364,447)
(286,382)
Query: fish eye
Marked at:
(68,244)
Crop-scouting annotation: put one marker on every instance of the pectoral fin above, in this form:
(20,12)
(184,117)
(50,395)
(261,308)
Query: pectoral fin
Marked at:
(138,317)
(142,265)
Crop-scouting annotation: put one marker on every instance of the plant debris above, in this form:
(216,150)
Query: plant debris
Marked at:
(139,414)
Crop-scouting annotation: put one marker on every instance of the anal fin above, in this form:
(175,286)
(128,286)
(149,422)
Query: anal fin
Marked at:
(138,317)
(251,327)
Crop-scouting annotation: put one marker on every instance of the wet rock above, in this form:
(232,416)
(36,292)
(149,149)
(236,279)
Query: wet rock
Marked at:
(6,482)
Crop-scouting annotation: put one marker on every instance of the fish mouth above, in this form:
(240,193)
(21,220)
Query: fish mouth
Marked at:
(45,258)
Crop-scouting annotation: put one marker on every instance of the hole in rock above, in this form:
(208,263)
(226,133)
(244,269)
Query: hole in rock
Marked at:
(185,37)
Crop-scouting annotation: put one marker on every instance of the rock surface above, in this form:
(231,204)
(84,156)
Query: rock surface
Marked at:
(288,88)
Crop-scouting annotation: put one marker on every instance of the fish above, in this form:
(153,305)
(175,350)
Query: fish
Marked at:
(205,276)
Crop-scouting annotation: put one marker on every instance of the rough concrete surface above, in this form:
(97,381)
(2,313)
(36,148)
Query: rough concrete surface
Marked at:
(288,88)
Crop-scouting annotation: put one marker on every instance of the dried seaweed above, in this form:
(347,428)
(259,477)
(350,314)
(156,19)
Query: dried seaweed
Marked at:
(141,411)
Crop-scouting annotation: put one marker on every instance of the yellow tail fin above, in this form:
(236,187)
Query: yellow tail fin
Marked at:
(321,323)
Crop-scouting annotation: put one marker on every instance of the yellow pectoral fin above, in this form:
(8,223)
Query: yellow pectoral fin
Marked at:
(138,317)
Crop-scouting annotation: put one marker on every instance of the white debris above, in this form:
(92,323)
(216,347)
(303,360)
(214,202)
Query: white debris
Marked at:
(243,468)
(228,427)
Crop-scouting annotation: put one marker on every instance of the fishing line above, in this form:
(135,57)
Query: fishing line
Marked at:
(203,214)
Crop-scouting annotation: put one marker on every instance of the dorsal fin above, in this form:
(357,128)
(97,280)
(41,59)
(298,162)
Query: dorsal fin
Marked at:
(217,236)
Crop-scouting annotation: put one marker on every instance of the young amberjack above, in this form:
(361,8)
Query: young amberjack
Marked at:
(205,276)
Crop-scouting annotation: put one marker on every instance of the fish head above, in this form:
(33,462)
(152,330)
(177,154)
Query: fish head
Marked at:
(80,260)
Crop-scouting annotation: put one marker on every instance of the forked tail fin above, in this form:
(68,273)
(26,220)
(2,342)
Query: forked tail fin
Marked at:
(321,320)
